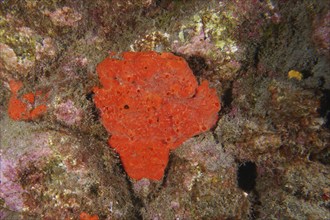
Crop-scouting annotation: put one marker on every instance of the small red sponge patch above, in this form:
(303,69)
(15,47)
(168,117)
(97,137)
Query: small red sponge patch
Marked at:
(25,108)
(151,103)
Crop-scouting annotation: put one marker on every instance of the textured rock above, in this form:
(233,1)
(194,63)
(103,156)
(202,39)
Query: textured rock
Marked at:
(60,165)
(47,174)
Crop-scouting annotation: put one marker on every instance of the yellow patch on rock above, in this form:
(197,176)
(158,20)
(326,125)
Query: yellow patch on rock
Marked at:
(295,74)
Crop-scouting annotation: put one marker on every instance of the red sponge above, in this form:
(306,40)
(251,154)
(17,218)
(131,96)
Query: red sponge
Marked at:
(151,103)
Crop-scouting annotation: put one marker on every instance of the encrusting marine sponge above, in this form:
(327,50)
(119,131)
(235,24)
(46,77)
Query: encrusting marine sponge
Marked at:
(150,103)
(25,108)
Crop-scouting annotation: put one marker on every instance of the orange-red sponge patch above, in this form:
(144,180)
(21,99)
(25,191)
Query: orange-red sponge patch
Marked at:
(85,216)
(151,103)
(25,108)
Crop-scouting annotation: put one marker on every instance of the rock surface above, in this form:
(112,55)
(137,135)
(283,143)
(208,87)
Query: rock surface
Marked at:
(267,156)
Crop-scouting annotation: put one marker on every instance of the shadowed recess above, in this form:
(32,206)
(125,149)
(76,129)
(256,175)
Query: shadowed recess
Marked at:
(246,176)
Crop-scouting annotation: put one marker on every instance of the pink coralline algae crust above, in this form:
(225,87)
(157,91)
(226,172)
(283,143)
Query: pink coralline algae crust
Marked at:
(11,190)
(151,103)
(199,45)
(321,33)
(64,17)
(68,113)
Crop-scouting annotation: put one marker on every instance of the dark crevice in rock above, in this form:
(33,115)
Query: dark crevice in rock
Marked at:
(95,112)
(246,176)
(324,109)
(227,98)
(246,180)
(138,203)
(215,136)
(322,157)
(197,64)
(169,164)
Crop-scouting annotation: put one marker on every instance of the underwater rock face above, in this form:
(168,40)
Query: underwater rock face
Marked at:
(267,60)
(151,103)
(42,172)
